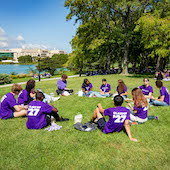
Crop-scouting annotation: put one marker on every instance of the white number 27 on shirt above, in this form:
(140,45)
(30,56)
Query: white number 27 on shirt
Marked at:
(119,118)
(33,111)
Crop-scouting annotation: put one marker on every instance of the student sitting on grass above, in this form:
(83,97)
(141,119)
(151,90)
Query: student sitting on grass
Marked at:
(87,87)
(27,95)
(139,113)
(118,118)
(9,108)
(61,83)
(39,113)
(104,90)
(163,99)
(121,89)
(147,90)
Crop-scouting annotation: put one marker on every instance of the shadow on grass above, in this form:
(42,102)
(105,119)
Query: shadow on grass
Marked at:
(141,75)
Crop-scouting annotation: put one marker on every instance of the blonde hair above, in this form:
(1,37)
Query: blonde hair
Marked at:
(16,88)
(139,98)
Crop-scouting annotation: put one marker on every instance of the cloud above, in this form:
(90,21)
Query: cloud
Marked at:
(20,38)
(8,42)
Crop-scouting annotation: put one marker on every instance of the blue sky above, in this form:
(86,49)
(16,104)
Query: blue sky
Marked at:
(35,23)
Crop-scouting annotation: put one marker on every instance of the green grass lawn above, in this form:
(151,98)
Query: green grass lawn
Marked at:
(68,148)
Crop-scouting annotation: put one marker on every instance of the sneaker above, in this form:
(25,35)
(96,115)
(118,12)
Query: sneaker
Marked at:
(133,123)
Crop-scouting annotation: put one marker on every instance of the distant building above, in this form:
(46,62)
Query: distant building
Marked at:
(15,53)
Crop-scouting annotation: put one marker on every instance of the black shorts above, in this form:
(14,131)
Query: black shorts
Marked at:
(101,123)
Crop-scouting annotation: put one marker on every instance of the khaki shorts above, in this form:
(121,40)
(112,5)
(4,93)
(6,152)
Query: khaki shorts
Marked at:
(137,119)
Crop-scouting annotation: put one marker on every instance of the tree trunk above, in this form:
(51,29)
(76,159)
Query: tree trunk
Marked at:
(126,47)
(125,61)
(158,63)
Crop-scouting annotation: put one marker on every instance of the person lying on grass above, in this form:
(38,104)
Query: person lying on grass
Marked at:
(9,108)
(104,90)
(118,118)
(139,113)
(163,99)
(39,113)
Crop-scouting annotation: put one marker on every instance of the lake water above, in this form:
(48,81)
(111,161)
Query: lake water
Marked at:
(17,68)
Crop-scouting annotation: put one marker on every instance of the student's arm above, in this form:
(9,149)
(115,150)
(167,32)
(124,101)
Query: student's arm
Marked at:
(135,111)
(83,90)
(124,94)
(101,92)
(127,127)
(161,99)
(32,95)
(101,110)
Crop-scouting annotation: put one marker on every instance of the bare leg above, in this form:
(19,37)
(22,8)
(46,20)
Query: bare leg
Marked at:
(96,114)
(20,113)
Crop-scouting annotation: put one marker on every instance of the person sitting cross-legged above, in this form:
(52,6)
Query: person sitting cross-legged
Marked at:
(118,118)
(39,113)
(104,90)
(9,107)
(163,99)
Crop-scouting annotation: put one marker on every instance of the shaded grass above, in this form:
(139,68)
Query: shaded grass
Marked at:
(68,148)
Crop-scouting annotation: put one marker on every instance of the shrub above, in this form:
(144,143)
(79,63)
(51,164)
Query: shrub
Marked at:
(5,78)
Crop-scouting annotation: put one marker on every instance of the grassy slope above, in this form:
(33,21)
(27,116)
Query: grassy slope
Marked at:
(71,149)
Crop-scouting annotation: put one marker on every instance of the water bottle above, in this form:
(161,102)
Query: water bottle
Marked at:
(78,118)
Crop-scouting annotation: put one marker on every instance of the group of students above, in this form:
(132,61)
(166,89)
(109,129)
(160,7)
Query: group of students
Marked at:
(39,113)
(31,104)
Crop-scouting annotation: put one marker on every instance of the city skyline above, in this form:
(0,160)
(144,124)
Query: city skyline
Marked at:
(35,24)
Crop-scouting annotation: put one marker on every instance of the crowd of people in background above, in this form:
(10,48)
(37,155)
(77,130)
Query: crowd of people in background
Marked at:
(163,75)
(35,104)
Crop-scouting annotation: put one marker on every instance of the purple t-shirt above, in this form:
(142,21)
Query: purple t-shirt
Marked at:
(88,87)
(36,114)
(8,102)
(61,84)
(125,89)
(164,92)
(146,90)
(23,97)
(117,117)
(106,88)
(142,112)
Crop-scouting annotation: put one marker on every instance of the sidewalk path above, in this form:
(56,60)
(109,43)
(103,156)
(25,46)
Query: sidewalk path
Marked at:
(8,85)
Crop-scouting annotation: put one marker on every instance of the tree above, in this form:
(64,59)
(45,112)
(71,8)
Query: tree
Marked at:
(25,59)
(51,64)
(108,14)
(155,36)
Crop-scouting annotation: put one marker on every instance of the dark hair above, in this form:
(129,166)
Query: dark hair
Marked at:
(159,83)
(118,100)
(85,83)
(103,79)
(29,87)
(64,76)
(145,79)
(31,81)
(16,88)
(39,95)
(121,86)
